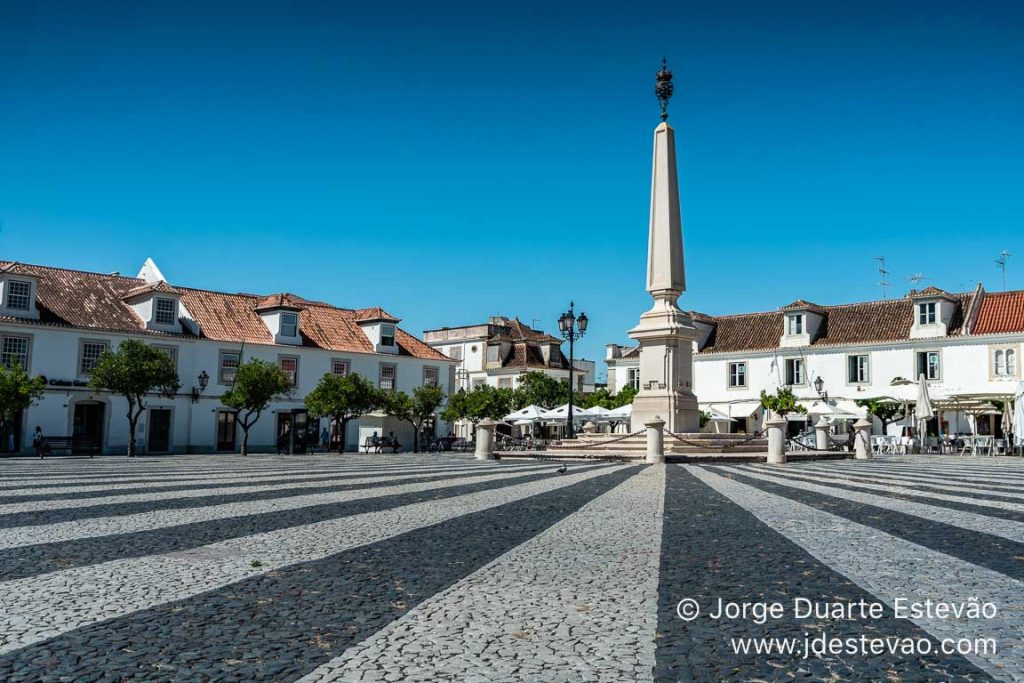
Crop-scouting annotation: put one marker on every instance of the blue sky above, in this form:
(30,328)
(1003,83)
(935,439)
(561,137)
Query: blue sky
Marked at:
(451,161)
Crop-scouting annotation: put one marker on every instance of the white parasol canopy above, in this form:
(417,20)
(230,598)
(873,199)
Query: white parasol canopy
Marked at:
(620,413)
(830,411)
(923,410)
(1018,415)
(561,413)
(526,415)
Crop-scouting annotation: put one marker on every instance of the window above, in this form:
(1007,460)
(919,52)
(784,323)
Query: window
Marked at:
(289,325)
(19,295)
(166,312)
(339,367)
(737,375)
(579,383)
(172,353)
(634,378)
(290,366)
(492,353)
(388,374)
(1005,363)
(387,335)
(794,371)
(857,369)
(88,354)
(229,362)
(455,352)
(796,324)
(504,382)
(14,352)
(431,377)
(479,382)
(928,364)
(926,313)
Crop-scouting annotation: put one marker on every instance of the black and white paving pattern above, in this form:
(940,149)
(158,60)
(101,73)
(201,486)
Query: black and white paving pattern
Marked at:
(442,568)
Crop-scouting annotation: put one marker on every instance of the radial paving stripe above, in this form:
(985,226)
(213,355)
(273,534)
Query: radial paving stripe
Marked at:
(984,524)
(996,553)
(916,483)
(976,504)
(892,568)
(936,474)
(36,608)
(1005,475)
(95,541)
(81,510)
(280,625)
(714,549)
(67,500)
(579,599)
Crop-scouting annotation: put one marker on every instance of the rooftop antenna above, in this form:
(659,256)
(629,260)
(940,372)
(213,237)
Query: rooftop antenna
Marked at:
(915,279)
(1001,262)
(884,273)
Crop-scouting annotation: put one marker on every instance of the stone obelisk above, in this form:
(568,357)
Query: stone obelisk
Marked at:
(665,333)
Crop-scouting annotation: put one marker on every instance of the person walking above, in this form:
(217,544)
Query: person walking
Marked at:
(325,439)
(37,441)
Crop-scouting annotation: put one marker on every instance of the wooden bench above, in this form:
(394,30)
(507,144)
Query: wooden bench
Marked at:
(63,444)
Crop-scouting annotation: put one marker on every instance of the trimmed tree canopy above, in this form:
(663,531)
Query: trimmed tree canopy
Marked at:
(343,398)
(257,384)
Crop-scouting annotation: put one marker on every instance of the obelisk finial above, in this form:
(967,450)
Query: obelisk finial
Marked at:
(663,88)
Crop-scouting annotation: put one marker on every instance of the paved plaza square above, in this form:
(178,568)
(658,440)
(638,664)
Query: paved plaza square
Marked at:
(444,568)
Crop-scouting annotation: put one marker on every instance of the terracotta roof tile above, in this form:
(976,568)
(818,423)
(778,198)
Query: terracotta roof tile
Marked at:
(1001,312)
(281,300)
(160,287)
(375,314)
(71,298)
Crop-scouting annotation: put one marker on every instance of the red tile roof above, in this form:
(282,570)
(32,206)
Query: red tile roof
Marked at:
(282,300)
(160,286)
(72,298)
(859,323)
(1001,312)
(375,314)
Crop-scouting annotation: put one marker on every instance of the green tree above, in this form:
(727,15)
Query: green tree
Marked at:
(482,402)
(625,396)
(887,412)
(18,392)
(257,383)
(134,371)
(343,398)
(415,409)
(782,402)
(705,418)
(537,388)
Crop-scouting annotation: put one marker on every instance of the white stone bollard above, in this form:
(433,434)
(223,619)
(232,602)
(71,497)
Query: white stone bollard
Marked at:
(821,434)
(862,440)
(485,439)
(590,429)
(655,440)
(776,441)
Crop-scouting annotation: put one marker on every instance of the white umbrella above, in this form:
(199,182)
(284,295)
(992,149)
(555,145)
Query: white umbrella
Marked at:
(562,413)
(831,412)
(1018,415)
(620,413)
(528,414)
(923,408)
(600,413)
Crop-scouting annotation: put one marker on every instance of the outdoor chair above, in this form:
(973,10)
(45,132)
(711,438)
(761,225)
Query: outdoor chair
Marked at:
(983,445)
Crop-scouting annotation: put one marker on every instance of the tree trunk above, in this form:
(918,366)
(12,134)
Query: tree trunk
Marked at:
(245,439)
(416,436)
(341,436)
(133,420)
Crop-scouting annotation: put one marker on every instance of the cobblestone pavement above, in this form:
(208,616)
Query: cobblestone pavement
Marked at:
(442,568)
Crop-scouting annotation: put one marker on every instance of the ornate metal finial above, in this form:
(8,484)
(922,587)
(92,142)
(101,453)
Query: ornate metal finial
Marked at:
(663,88)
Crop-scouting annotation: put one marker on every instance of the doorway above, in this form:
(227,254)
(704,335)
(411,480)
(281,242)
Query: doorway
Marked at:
(226,423)
(87,427)
(159,430)
(294,431)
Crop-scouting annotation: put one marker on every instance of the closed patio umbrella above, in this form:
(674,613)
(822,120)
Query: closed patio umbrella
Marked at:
(1018,416)
(923,408)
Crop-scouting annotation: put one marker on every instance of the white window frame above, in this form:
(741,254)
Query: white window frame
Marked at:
(172,313)
(861,374)
(427,371)
(84,371)
(455,352)
(26,296)
(736,374)
(928,366)
(388,336)
(927,313)
(795,363)
(344,363)
(293,375)
(381,378)
(633,378)
(1005,361)
(4,353)
(221,368)
(289,324)
(504,382)
(794,324)
(171,351)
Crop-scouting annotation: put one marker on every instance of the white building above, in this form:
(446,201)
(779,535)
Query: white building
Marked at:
(501,351)
(56,322)
(966,344)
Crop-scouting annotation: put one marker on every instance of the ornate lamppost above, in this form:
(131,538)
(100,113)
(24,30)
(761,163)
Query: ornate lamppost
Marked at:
(572,328)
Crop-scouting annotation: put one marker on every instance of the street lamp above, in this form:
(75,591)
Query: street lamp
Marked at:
(572,328)
(204,379)
(819,386)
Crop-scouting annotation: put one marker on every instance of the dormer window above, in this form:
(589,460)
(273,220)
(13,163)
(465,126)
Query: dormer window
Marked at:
(289,324)
(19,295)
(795,324)
(166,312)
(926,313)
(387,335)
